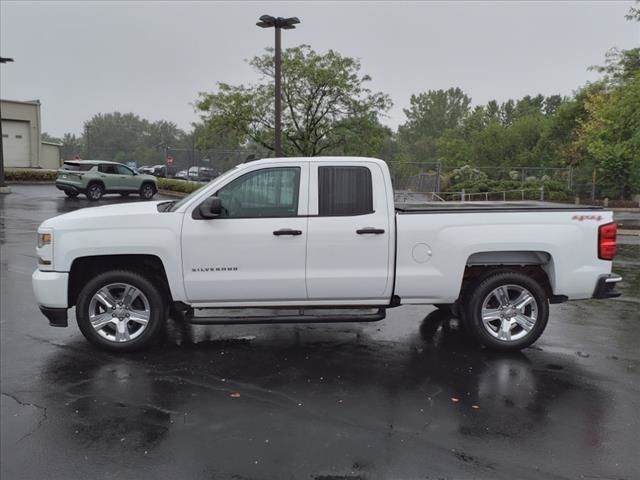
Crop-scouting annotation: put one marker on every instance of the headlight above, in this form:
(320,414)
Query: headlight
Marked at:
(44,239)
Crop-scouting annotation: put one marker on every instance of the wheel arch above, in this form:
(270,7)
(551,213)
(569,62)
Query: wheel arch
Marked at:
(149,182)
(537,264)
(98,181)
(85,268)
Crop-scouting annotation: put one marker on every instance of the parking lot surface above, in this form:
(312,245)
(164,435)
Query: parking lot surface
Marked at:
(405,398)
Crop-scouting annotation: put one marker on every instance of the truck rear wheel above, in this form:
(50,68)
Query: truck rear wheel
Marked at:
(120,311)
(507,311)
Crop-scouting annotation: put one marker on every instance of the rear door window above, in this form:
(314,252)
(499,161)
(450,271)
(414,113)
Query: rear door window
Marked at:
(107,168)
(344,191)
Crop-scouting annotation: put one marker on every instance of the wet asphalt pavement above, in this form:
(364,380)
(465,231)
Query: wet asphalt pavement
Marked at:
(405,398)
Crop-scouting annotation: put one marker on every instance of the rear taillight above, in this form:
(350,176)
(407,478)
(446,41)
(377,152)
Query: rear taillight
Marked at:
(607,246)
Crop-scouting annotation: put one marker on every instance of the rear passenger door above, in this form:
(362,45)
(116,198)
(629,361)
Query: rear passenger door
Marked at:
(109,175)
(348,244)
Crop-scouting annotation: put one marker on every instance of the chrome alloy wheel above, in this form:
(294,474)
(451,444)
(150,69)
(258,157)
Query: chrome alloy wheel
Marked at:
(119,312)
(509,312)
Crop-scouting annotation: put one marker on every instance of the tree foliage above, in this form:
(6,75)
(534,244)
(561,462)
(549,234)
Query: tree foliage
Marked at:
(125,137)
(326,105)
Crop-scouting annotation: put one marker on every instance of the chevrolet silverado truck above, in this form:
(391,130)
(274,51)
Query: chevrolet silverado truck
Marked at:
(317,240)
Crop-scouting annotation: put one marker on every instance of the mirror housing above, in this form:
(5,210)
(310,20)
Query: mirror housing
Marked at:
(210,208)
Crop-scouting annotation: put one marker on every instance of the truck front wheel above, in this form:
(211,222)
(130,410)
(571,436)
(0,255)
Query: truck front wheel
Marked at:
(507,311)
(120,311)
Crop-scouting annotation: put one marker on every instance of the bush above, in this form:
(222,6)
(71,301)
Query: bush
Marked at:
(178,185)
(30,175)
(467,173)
(552,190)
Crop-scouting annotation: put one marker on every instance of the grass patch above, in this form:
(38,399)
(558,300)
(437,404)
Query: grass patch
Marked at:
(178,185)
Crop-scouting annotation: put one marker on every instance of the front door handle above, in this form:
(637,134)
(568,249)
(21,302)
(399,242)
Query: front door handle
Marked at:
(370,230)
(287,231)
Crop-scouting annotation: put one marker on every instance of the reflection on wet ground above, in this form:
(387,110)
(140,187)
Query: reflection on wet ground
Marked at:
(408,397)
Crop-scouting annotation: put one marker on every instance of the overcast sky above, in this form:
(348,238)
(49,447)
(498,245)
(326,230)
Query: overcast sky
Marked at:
(82,58)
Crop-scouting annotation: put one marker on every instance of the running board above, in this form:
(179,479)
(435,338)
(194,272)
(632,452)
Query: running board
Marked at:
(301,316)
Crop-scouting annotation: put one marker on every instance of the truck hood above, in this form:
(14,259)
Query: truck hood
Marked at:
(104,217)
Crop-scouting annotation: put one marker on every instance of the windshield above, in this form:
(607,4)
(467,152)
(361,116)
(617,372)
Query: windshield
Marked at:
(186,199)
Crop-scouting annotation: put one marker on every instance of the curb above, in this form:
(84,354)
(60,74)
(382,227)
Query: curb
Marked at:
(171,193)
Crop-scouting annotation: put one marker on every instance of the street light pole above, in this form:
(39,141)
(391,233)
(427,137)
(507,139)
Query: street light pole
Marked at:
(3,188)
(279,23)
(278,94)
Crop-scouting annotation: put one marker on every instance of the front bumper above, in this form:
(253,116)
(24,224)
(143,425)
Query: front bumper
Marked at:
(50,288)
(51,292)
(606,285)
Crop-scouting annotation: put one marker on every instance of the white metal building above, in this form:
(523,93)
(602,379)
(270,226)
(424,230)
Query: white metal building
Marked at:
(21,129)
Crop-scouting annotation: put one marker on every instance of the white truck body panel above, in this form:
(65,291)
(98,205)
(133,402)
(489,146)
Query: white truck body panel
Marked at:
(328,264)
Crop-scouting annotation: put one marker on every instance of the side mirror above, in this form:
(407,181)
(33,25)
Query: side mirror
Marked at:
(210,208)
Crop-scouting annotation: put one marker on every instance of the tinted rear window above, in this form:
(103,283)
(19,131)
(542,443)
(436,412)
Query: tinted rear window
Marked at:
(344,191)
(78,167)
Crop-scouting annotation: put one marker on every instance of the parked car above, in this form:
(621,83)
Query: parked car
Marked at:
(147,169)
(182,174)
(301,235)
(159,171)
(201,174)
(95,178)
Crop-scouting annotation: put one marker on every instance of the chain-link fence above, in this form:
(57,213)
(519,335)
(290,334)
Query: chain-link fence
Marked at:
(203,165)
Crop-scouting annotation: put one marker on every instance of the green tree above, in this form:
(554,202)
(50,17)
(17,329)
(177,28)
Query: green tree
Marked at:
(429,115)
(324,97)
(71,146)
(611,136)
(126,137)
(45,137)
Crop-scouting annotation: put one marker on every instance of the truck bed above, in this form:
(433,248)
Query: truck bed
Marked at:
(487,206)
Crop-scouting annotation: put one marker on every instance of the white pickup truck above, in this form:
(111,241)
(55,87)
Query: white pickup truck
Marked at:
(317,240)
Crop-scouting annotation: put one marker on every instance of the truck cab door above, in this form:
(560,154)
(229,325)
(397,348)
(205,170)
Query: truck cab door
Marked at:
(349,242)
(254,251)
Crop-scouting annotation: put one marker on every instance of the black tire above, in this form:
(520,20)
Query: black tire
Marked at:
(147,191)
(513,282)
(95,191)
(71,194)
(157,311)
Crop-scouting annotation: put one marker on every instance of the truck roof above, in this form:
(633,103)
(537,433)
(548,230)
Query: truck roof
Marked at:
(92,162)
(318,159)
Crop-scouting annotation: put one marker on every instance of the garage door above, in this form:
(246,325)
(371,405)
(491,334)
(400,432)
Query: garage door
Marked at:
(16,143)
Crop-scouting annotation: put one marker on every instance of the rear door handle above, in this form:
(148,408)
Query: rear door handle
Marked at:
(287,231)
(370,230)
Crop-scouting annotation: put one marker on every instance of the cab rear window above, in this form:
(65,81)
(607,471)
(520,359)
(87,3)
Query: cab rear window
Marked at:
(78,167)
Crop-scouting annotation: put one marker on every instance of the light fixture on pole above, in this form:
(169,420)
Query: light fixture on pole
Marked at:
(278,23)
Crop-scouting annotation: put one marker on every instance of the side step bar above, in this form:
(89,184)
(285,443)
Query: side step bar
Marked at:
(380,314)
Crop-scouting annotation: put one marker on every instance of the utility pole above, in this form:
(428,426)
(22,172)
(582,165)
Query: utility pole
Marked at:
(3,187)
(279,23)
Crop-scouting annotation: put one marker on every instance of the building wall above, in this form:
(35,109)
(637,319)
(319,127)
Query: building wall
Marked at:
(22,112)
(50,156)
